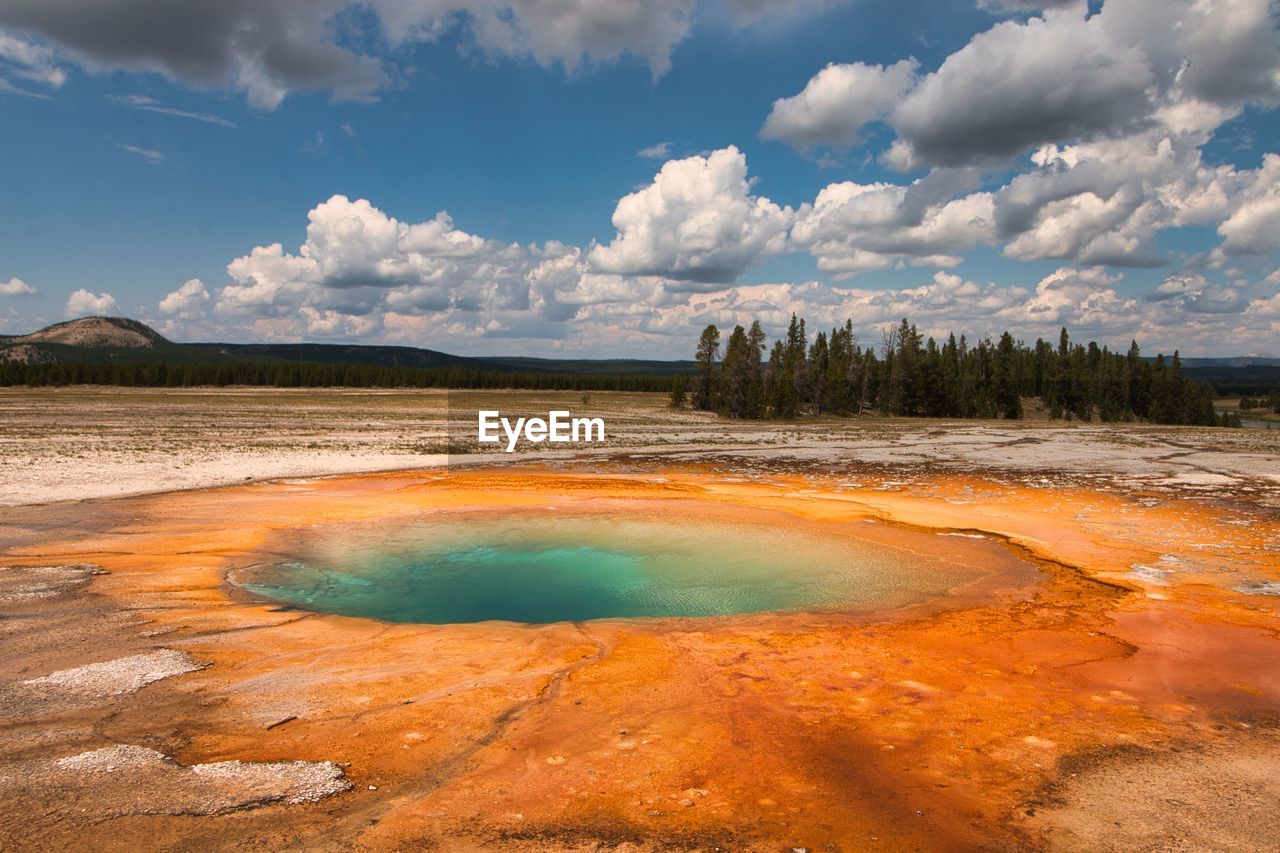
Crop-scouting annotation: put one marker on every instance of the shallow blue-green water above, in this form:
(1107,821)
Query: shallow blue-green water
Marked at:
(541,569)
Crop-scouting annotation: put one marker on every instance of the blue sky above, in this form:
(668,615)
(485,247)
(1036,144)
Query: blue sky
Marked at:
(133,180)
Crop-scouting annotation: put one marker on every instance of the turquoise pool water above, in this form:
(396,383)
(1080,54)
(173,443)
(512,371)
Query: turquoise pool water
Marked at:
(553,568)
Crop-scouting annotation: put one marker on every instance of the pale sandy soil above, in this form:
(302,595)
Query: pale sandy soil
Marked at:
(1199,797)
(78,443)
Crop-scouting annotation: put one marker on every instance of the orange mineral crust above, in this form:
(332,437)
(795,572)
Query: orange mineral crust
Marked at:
(1090,629)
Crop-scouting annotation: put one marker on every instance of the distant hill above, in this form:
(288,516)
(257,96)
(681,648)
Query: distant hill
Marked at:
(351,354)
(98,340)
(1234,361)
(95,340)
(596,367)
(1230,380)
(96,332)
(1240,374)
(387,356)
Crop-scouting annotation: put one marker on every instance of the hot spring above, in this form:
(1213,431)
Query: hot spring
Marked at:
(545,566)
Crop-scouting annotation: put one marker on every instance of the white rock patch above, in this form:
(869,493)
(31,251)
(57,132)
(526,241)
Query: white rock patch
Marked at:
(20,584)
(119,676)
(126,779)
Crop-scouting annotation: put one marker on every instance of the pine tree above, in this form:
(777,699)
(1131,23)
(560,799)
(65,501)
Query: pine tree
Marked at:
(1007,402)
(706,355)
(735,376)
(756,341)
(819,364)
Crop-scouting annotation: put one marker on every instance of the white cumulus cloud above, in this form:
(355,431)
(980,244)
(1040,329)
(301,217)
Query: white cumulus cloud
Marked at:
(852,228)
(16,287)
(838,102)
(1062,76)
(83,303)
(1254,223)
(1022,84)
(697,222)
(187,302)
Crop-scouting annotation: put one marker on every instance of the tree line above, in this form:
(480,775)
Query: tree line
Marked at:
(1272,403)
(910,376)
(162,374)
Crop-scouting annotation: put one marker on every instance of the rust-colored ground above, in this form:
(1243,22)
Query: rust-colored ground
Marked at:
(1004,718)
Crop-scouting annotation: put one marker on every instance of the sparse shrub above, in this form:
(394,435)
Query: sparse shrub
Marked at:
(679,390)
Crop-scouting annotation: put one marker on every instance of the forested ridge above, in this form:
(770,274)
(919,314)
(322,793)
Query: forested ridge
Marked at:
(903,374)
(161,374)
(907,375)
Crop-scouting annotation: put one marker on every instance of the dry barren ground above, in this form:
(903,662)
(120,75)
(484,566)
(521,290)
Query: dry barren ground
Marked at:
(1129,699)
(78,443)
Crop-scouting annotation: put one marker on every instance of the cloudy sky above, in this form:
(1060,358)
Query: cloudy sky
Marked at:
(606,177)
